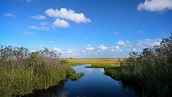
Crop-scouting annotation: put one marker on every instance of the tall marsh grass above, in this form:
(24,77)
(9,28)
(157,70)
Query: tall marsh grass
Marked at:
(22,72)
(151,69)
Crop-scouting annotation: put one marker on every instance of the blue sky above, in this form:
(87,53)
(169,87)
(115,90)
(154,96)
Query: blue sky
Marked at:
(85,28)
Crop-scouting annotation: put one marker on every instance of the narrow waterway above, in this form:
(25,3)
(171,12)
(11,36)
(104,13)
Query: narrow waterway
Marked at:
(94,83)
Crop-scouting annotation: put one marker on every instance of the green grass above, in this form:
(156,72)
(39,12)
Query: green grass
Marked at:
(103,65)
(22,72)
(76,76)
(21,81)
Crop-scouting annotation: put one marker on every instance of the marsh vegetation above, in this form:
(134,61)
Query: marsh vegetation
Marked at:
(22,72)
(149,71)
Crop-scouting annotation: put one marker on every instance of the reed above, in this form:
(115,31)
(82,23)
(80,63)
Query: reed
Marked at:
(150,69)
(22,72)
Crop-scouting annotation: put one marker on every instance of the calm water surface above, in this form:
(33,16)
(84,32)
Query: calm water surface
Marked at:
(94,83)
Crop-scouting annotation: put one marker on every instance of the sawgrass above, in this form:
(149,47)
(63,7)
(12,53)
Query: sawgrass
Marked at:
(94,60)
(22,81)
(22,72)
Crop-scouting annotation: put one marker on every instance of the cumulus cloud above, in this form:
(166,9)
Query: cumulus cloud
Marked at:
(60,23)
(124,43)
(89,48)
(9,15)
(116,49)
(70,53)
(38,17)
(28,33)
(67,14)
(67,53)
(39,28)
(121,43)
(102,47)
(149,42)
(155,5)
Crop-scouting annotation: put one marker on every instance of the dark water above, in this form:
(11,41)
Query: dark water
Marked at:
(94,83)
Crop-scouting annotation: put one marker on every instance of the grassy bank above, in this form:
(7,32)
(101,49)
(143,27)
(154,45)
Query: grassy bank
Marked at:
(103,65)
(22,72)
(76,76)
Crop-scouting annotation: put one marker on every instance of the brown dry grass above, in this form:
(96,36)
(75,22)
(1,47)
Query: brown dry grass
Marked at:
(94,60)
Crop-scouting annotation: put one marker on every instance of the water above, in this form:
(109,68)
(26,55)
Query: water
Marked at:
(94,83)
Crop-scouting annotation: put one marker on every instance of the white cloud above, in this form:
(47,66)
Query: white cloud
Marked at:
(9,15)
(68,15)
(155,5)
(124,43)
(57,50)
(90,51)
(112,50)
(28,33)
(69,51)
(102,47)
(134,49)
(38,17)
(116,49)
(89,48)
(39,28)
(149,42)
(121,43)
(60,23)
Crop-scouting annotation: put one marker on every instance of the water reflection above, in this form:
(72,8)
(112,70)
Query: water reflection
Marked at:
(94,83)
(54,91)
